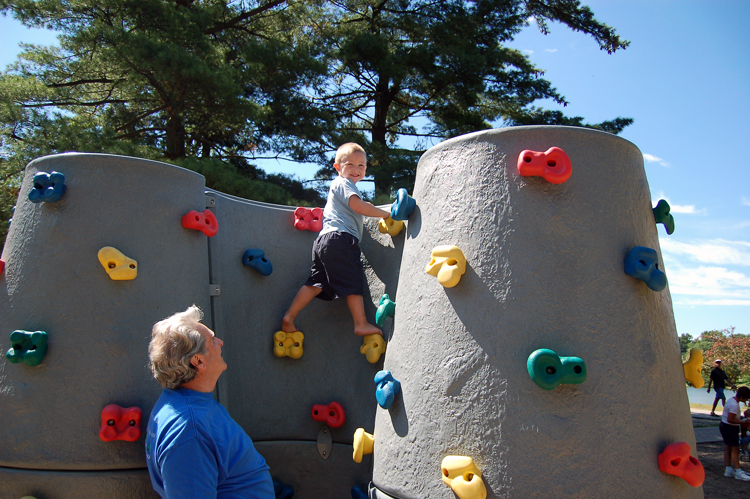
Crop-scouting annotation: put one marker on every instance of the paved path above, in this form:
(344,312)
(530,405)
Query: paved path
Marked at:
(711,434)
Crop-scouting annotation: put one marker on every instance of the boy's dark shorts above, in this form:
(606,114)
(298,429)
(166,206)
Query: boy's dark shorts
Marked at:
(337,266)
(730,434)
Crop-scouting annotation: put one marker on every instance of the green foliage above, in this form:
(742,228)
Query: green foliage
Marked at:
(733,349)
(444,62)
(213,85)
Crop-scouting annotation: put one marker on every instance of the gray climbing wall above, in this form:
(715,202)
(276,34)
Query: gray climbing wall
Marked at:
(545,270)
(99,329)
(272,397)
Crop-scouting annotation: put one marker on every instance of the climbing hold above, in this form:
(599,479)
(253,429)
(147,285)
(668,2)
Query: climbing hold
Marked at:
(288,344)
(204,222)
(363,444)
(27,347)
(118,266)
(387,389)
(386,308)
(373,347)
(308,219)
(693,367)
(48,187)
(282,491)
(553,165)
(120,423)
(676,460)
(643,263)
(256,259)
(390,226)
(358,493)
(2,266)
(662,215)
(448,264)
(332,414)
(404,205)
(463,477)
(547,369)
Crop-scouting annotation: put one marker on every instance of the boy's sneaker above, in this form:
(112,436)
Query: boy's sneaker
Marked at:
(729,472)
(741,475)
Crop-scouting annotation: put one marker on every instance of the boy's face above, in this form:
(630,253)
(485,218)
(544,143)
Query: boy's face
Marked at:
(353,166)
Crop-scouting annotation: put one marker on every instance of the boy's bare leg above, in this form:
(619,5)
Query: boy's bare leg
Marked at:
(303,298)
(357,308)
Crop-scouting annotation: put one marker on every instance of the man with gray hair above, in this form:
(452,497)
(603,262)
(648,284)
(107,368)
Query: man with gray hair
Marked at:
(193,447)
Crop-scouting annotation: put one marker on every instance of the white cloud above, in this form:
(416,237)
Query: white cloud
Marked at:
(683,209)
(745,201)
(650,158)
(528,51)
(550,50)
(702,273)
(716,251)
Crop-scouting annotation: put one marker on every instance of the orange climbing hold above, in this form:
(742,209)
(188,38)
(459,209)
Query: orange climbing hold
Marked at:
(120,423)
(676,460)
(204,222)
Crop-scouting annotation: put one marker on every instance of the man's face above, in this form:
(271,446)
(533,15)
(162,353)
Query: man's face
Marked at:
(215,364)
(353,166)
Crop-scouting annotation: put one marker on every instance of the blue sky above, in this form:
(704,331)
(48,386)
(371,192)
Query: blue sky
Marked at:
(685,79)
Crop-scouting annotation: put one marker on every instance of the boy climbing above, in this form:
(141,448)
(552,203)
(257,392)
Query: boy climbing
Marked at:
(337,268)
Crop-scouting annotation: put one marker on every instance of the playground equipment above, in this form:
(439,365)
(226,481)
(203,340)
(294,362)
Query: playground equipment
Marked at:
(539,267)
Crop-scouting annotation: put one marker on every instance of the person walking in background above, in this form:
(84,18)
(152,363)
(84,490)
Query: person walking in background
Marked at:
(718,378)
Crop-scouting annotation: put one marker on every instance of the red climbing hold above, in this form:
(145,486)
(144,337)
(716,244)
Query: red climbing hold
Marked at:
(308,219)
(332,414)
(119,423)
(553,165)
(205,222)
(676,460)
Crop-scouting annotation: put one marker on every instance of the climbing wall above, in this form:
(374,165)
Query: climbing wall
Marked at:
(95,264)
(97,328)
(272,397)
(533,350)
(544,269)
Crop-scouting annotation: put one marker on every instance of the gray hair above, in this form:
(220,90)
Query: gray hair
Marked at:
(174,342)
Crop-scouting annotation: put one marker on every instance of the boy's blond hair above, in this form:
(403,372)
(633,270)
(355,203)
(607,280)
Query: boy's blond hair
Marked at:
(347,149)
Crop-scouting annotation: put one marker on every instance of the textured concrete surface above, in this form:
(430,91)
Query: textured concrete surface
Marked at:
(99,328)
(545,270)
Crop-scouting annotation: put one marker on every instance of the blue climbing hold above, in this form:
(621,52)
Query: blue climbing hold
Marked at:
(386,308)
(404,205)
(643,263)
(387,389)
(48,187)
(358,493)
(282,491)
(256,259)
(662,215)
(547,369)
(27,347)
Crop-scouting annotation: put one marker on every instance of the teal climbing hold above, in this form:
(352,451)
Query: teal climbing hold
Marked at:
(27,347)
(386,308)
(662,215)
(547,369)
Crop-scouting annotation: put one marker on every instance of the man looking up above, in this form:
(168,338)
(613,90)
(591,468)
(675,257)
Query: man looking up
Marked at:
(193,447)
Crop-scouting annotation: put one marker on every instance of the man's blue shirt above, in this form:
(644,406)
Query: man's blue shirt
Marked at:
(195,449)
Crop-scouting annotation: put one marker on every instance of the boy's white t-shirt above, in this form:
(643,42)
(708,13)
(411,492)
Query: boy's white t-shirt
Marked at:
(337,215)
(731,406)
